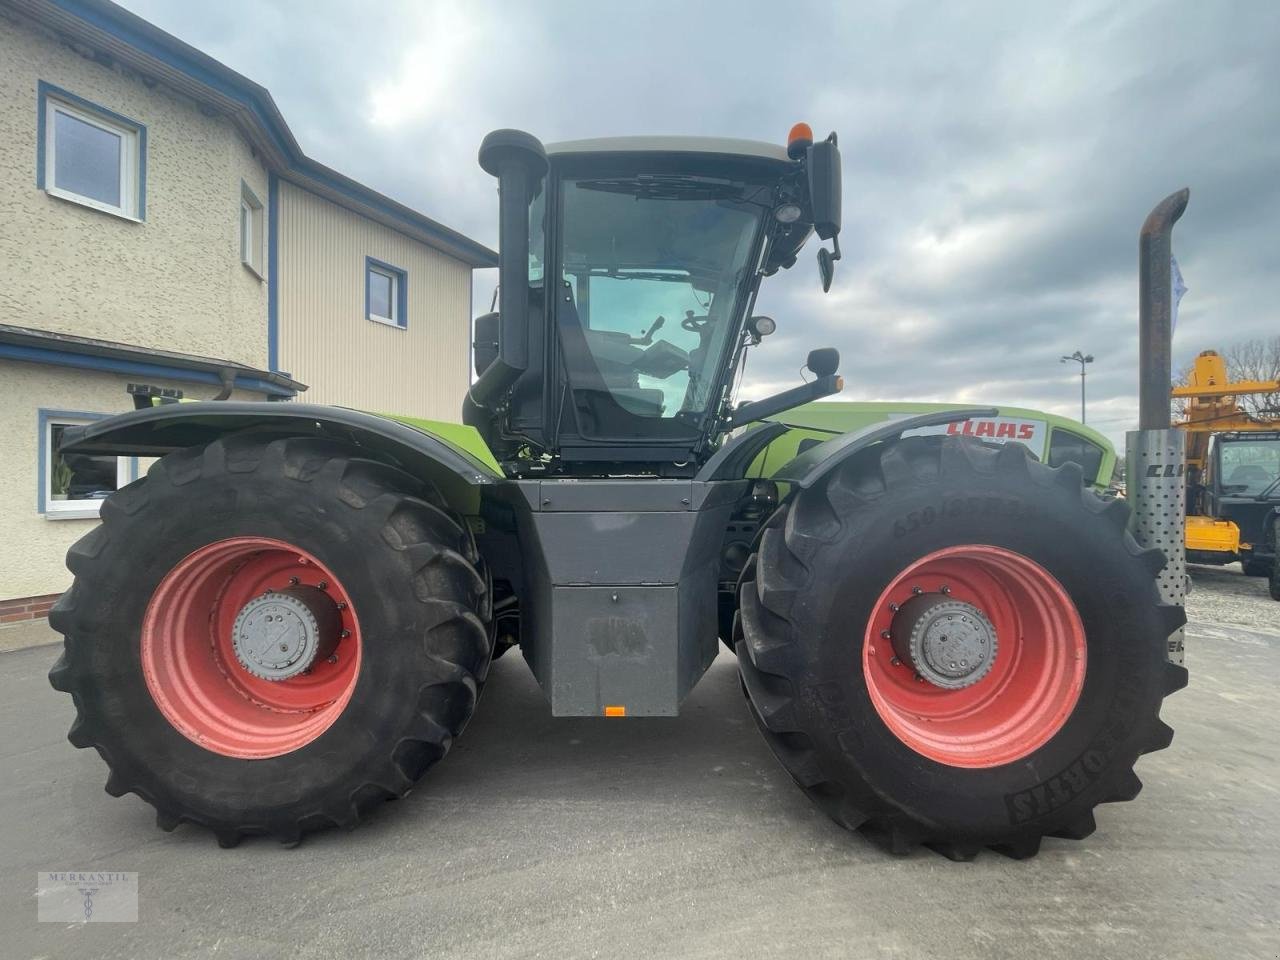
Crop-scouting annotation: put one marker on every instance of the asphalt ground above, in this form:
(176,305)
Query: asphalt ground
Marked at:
(671,838)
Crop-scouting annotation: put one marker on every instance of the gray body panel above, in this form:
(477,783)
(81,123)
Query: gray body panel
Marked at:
(621,596)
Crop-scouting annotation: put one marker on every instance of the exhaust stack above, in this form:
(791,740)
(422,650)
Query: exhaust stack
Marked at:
(1155,464)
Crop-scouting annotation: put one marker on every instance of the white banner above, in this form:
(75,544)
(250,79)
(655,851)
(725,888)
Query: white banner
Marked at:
(1032,433)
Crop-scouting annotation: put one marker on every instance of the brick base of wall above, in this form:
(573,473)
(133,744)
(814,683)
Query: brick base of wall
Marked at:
(26,608)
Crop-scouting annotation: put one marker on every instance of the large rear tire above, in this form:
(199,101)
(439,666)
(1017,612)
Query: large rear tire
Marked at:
(358,565)
(1256,568)
(911,548)
(1273,541)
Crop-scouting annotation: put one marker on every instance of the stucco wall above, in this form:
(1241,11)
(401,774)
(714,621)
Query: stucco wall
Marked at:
(174,282)
(31,562)
(326,340)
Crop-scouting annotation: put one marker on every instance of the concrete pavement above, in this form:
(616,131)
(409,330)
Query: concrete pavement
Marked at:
(666,838)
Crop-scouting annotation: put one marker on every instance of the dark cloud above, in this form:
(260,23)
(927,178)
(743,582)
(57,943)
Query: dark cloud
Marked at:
(999,158)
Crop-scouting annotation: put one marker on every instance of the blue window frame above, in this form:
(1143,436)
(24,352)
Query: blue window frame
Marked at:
(74,488)
(90,155)
(386,293)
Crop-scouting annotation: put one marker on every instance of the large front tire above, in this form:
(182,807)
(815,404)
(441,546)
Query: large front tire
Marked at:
(270,535)
(1034,575)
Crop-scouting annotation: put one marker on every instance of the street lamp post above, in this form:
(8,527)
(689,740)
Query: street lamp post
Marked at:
(1082,359)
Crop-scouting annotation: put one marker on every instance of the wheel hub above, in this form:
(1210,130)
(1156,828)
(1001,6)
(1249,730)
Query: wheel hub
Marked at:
(280,634)
(950,643)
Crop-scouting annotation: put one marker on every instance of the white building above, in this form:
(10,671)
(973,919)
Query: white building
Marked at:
(162,227)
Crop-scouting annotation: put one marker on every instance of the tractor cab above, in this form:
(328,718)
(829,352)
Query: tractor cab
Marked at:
(1241,484)
(626,295)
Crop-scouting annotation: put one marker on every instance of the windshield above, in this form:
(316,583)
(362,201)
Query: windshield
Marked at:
(1250,466)
(652,270)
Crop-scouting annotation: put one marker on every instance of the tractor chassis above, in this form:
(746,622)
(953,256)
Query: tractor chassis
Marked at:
(618,585)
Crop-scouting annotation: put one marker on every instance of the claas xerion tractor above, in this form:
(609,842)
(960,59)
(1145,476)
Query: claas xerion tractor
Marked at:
(291,617)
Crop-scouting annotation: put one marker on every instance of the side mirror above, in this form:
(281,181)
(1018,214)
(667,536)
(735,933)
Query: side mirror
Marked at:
(826,268)
(823,165)
(484,343)
(824,361)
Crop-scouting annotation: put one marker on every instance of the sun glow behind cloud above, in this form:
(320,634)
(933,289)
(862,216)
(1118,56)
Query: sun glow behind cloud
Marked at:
(425,79)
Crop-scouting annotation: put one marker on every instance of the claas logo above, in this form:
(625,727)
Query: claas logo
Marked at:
(995,430)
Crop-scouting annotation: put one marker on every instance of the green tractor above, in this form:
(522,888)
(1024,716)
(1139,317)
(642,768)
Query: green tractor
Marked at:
(291,617)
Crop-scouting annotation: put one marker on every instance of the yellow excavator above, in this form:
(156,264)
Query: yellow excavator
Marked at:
(1233,469)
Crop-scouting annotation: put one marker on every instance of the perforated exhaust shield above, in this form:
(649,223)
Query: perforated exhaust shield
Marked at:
(1157,492)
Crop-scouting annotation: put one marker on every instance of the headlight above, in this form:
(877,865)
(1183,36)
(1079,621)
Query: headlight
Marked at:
(761,326)
(787,213)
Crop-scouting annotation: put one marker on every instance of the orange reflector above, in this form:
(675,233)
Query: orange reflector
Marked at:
(615,711)
(801,131)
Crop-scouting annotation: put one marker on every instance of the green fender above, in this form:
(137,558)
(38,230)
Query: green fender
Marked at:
(450,455)
(821,422)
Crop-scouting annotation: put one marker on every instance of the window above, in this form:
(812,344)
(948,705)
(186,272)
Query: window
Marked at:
(75,484)
(90,155)
(385,293)
(537,233)
(1250,467)
(1067,447)
(653,272)
(250,229)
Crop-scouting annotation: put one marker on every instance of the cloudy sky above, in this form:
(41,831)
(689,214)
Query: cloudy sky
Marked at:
(998,157)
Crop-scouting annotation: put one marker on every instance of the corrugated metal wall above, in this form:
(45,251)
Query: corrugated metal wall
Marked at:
(327,342)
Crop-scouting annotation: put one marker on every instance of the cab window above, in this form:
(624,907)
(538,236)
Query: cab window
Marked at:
(1250,467)
(1067,447)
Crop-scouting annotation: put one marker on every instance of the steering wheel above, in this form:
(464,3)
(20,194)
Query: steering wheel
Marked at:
(692,323)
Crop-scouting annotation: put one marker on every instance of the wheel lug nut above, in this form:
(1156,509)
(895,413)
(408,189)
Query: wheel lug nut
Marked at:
(293,581)
(342,604)
(344,634)
(917,591)
(333,658)
(885,635)
(895,661)
(945,589)
(894,608)
(323,584)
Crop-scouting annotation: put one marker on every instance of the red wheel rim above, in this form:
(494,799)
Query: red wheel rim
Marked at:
(1034,680)
(190,663)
